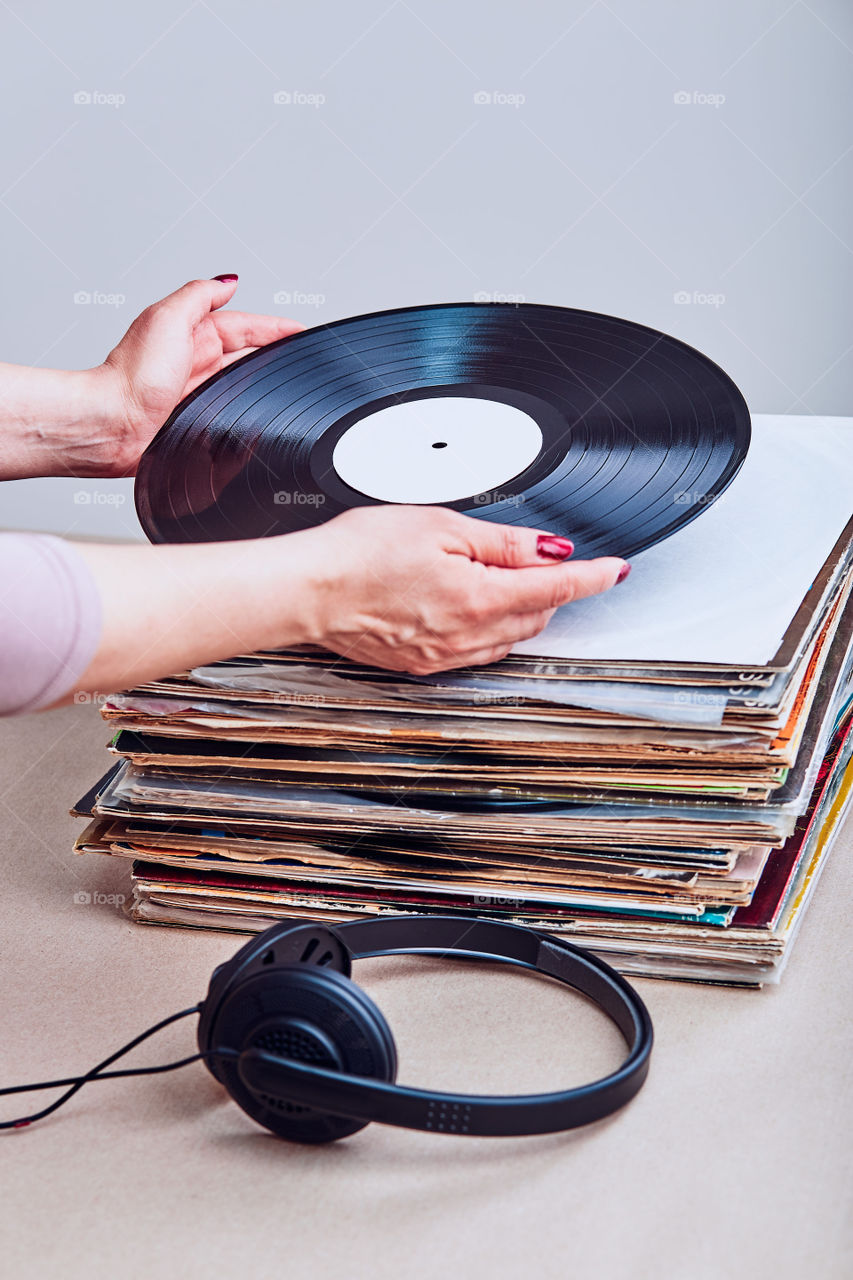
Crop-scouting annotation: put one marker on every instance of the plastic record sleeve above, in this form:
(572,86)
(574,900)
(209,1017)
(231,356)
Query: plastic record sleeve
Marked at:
(584,425)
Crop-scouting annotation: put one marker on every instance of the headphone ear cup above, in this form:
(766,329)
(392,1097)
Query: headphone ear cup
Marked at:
(311,1015)
(294,942)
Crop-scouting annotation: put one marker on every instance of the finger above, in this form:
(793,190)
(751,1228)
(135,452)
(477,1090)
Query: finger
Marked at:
(530,590)
(502,634)
(479,658)
(231,358)
(217,363)
(195,300)
(505,631)
(457,661)
(236,355)
(528,625)
(240,329)
(510,546)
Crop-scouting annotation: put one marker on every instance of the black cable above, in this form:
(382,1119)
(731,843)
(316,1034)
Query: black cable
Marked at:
(98,1072)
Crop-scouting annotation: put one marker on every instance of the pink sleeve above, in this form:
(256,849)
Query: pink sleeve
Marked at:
(50,620)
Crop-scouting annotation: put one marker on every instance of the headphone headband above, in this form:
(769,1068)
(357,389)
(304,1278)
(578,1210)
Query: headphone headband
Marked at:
(361,1098)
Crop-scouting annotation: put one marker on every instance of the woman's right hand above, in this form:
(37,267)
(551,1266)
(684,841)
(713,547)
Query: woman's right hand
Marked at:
(416,589)
(426,589)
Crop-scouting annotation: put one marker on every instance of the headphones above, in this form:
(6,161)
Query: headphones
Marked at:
(306,1053)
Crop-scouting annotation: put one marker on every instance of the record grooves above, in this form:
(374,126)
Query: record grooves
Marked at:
(582,424)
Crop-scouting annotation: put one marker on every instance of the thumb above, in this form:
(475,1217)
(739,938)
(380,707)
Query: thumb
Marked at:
(196,299)
(511,546)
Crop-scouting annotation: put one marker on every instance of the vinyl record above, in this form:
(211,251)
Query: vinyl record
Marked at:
(588,426)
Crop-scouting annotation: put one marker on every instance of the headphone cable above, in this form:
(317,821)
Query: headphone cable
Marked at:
(99,1072)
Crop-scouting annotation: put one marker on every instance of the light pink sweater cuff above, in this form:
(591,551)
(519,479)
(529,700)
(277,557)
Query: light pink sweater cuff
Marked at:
(50,620)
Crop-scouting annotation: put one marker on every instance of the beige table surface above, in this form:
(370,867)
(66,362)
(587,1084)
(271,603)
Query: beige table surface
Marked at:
(735,1160)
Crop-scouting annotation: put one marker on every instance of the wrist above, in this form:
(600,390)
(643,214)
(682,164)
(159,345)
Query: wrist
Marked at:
(198,603)
(104,440)
(308,568)
(59,422)
(285,584)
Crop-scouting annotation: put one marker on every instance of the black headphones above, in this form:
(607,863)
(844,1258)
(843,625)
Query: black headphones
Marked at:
(310,1056)
(306,1053)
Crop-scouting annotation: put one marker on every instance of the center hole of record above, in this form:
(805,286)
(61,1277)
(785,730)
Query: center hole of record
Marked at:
(439,449)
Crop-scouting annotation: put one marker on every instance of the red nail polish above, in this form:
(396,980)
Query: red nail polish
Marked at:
(548,544)
(623,572)
(228,277)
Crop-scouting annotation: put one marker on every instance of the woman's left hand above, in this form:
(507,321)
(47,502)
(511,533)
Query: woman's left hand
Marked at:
(170,348)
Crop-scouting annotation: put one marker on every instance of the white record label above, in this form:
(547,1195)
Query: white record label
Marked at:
(439,449)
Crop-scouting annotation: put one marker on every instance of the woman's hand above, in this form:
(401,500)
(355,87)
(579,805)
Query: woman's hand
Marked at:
(417,589)
(174,345)
(425,589)
(97,422)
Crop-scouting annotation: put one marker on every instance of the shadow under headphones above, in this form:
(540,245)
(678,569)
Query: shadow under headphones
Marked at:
(306,1053)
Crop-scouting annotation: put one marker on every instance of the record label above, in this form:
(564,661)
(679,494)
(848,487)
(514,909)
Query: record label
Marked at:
(437,450)
(603,431)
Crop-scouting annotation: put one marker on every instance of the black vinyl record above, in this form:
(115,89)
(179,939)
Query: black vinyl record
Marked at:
(585,425)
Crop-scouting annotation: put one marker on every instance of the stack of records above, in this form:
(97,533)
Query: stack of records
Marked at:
(673,815)
(658,776)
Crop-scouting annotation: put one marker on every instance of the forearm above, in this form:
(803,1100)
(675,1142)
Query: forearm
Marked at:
(56,422)
(403,588)
(169,608)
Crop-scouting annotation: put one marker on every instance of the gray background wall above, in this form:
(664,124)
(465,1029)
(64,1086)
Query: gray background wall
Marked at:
(685,165)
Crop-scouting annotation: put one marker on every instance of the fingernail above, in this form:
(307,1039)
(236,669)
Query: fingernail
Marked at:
(228,277)
(554,548)
(623,572)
